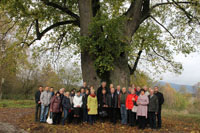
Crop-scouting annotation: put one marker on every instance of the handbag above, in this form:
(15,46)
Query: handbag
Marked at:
(49,120)
(134,109)
(103,114)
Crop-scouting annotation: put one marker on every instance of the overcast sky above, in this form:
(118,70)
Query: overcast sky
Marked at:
(191,72)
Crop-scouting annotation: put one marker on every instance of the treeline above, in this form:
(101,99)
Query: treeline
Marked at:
(181,100)
(23,69)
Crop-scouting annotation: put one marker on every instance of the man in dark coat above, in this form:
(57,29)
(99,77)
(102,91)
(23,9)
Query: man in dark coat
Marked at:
(99,90)
(118,92)
(84,86)
(152,109)
(61,92)
(112,104)
(38,103)
(160,102)
(84,106)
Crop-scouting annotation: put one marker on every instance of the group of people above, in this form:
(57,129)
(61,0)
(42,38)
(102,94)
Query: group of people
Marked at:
(133,106)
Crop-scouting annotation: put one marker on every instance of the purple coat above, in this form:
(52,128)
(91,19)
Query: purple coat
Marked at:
(142,102)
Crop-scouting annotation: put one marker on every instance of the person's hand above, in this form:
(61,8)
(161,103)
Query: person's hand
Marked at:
(126,108)
(133,99)
(78,106)
(156,113)
(39,102)
(51,110)
(88,109)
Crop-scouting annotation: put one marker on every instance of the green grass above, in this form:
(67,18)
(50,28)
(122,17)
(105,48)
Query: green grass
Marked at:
(182,115)
(17,103)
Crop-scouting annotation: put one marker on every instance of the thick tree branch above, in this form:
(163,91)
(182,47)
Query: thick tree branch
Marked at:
(145,10)
(63,9)
(95,7)
(132,70)
(134,15)
(39,34)
(162,26)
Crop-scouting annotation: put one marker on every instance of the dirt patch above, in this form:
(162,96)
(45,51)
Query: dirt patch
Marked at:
(8,128)
(24,119)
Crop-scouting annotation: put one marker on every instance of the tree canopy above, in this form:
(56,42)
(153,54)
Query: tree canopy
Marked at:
(151,32)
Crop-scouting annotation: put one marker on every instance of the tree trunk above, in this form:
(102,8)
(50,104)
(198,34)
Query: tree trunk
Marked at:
(89,73)
(87,63)
(121,73)
(1,84)
(0,92)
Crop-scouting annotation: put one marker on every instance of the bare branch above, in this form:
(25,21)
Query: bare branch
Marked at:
(7,31)
(188,15)
(171,3)
(169,61)
(162,26)
(63,9)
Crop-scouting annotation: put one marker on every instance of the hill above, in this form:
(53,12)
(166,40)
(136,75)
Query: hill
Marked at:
(177,86)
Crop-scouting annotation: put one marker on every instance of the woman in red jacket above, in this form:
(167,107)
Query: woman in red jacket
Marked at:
(130,103)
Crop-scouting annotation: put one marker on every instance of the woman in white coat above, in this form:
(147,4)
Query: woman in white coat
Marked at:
(77,101)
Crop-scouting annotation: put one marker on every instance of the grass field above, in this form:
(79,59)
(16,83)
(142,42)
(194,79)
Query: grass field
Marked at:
(20,113)
(17,103)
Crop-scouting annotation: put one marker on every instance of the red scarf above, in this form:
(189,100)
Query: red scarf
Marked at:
(92,95)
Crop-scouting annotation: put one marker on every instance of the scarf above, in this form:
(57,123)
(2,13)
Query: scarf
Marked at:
(92,95)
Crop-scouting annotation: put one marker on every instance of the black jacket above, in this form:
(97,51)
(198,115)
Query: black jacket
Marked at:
(112,102)
(84,88)
(37,96)
(99,92)
(153,104)
(66,103)
(103,101)
(160,99)
(84,99)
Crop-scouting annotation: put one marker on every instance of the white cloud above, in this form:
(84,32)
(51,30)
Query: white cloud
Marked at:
(191,72)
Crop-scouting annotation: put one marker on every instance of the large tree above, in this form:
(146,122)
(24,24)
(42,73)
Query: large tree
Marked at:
(105,31)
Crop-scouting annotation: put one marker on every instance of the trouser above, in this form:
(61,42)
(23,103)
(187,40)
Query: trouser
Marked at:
(71,116)
(118,114)
(44,113)
(81,114)
(159,121)
(141,120)
(56,118)
(104,117)
(77,114)
(37,111)
(60,116)
(152,119)
(85,115)
(123,114)
(112,115)
(91,119)
(147,120)
(65,116)
(132,117)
